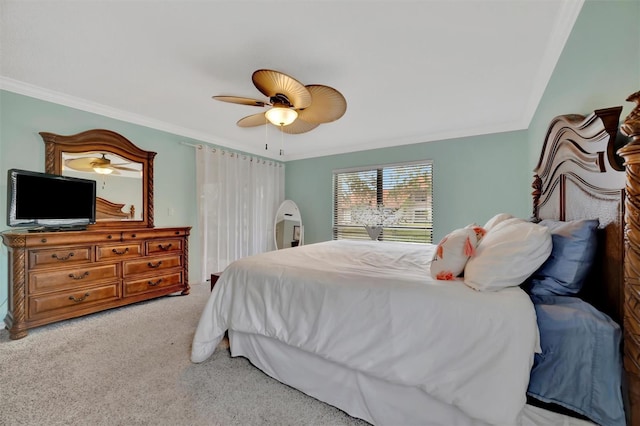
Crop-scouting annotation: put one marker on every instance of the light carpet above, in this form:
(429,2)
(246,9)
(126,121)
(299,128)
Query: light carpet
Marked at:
(131,366)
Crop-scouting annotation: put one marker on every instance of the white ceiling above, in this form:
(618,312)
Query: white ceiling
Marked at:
(411,71)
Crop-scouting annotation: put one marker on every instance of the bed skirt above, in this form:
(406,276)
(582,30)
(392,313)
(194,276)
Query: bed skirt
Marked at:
(368,398)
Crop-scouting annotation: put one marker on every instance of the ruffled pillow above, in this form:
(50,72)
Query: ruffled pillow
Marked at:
(574,248)
(507,255)
(454,251)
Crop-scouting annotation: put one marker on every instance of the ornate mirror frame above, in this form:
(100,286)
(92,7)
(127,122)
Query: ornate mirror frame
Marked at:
(110,142)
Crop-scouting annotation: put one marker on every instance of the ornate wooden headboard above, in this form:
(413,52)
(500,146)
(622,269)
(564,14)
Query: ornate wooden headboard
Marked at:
(107,210)
(579,176)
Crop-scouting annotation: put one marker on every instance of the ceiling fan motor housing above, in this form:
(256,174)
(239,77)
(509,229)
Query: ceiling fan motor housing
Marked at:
(280,100)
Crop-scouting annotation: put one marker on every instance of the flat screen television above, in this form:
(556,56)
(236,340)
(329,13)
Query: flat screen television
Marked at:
(49,201)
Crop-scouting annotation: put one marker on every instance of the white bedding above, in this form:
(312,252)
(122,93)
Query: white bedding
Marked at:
(373,307)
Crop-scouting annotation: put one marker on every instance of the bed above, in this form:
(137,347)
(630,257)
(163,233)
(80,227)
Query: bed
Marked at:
(363,326)
(108,210)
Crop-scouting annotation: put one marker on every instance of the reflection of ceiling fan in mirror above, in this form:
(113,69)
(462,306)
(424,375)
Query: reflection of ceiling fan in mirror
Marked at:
(295,108)
(101,165)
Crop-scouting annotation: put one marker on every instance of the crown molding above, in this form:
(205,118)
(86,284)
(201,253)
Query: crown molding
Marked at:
(52,96)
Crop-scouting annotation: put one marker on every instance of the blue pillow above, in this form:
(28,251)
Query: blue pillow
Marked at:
(580,367)
(574,247)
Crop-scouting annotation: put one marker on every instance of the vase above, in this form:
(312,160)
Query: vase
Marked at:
(373,231)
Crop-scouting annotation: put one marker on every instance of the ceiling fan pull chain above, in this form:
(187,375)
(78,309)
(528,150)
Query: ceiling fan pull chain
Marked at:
(281,141)
(266,135)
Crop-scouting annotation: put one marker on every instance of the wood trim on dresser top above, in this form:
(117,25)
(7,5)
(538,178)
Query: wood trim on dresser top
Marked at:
(55,276)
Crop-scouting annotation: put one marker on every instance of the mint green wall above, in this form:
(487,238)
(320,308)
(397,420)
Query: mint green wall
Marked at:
(21,147)
(478,176)
(465,189)
(599,67)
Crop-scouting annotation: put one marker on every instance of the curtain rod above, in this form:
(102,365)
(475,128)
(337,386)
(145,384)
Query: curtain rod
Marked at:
(236,153)
(199,146)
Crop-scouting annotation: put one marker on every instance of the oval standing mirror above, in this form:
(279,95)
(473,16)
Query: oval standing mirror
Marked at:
(287,230)
(122,171)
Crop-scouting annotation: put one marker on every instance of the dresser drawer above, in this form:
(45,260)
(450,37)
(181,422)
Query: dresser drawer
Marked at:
(150,264)
(155,233)
(72,300)
(59,256)
(164,246)
(68,278)
(152,283)
(119,251)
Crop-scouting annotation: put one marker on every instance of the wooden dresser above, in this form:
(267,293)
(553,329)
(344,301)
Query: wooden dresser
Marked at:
(54,276)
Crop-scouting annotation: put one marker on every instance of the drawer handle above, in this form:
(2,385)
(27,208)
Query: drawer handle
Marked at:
(79,277)
(79,299)
(151,265)
(109,237)
(153,284)
(165,248)
(120,252)
(62,258)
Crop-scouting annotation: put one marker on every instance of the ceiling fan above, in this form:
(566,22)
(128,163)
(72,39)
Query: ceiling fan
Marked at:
(295,108)
(101,165)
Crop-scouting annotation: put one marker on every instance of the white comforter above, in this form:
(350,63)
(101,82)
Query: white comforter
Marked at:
(373,307)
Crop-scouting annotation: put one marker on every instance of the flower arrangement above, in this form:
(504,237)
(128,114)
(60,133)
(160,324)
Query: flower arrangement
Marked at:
(375,218)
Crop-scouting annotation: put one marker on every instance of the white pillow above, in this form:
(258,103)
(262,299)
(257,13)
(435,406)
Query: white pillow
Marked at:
(507,255)
(496,220)
(453,252)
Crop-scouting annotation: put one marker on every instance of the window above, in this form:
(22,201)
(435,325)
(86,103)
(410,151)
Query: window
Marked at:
(397,197)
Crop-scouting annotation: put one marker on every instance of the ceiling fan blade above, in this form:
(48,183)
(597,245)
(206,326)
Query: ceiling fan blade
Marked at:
(270,83)
(129,169)
(298,126)
(327,105)
(101,163)
(84,164)
(240,100)
(253,120)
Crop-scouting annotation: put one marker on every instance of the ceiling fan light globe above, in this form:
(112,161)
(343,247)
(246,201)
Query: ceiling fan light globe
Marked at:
(280,116)
(103,170)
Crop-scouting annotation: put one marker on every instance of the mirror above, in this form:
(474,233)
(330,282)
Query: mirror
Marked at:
(122,171)
(288,230)
(116,179)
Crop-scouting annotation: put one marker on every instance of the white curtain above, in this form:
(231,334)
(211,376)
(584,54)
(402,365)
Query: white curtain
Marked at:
(238,198)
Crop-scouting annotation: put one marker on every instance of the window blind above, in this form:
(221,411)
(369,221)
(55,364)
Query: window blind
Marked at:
(398,198)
